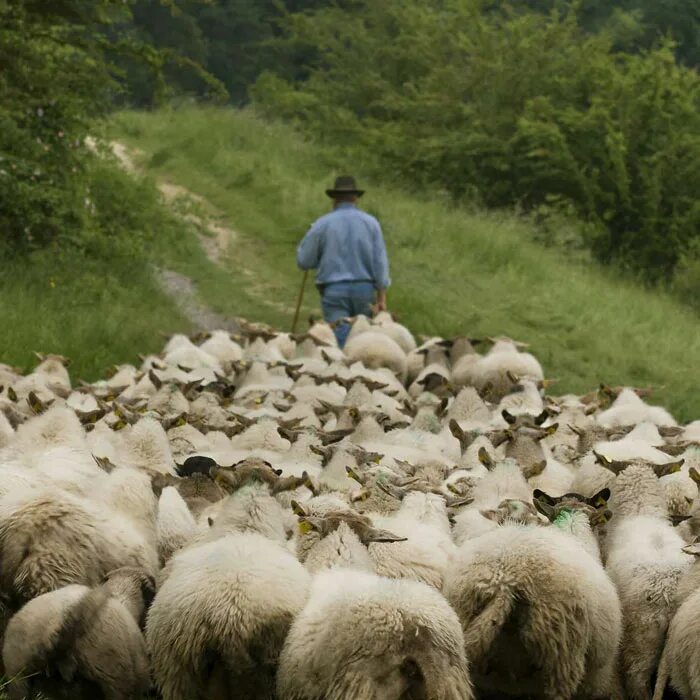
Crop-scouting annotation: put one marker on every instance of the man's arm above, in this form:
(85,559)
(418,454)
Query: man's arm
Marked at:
(380,268)
(309,250)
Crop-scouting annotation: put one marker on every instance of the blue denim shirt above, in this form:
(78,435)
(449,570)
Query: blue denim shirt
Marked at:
(345,245)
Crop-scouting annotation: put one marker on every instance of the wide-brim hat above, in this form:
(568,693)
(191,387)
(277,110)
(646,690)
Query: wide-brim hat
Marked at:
(345,184)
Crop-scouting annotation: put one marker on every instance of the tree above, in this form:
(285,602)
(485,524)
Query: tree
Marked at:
(511,108)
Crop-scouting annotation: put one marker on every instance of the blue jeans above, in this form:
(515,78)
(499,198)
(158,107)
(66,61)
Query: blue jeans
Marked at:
(343,299)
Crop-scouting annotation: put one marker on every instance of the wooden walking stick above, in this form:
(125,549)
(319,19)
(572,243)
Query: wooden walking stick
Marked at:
(299,300)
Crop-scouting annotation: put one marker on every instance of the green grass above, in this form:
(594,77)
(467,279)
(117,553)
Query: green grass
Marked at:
(453,271)
(94,301)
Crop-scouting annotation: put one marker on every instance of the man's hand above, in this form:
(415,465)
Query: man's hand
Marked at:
(380,304)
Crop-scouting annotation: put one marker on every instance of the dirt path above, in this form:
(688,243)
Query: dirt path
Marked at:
(214,237)
(183,291)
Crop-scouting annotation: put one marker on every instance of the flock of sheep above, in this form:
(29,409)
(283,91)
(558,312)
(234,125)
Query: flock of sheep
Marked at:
(267,516)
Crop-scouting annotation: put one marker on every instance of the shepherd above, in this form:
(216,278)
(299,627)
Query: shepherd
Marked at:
(346,247)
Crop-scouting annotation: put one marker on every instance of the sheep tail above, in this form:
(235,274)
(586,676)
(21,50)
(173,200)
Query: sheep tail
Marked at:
(662,673)
(79,619)
(486,626)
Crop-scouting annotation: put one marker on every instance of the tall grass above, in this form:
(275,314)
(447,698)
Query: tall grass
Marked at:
(453,271)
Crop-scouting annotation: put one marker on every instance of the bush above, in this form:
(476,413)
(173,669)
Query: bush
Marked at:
(57,79)
(509,108)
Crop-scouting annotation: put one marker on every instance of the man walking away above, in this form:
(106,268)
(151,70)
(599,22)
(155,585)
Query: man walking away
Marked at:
(346,247)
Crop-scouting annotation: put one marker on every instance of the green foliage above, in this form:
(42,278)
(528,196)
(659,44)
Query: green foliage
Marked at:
(56,80)
(230,38)
(52,85)
(636,24)
(509,108)
(455,271)
(96,301)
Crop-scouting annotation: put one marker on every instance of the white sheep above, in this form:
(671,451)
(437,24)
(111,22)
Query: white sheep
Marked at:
(377,350)
(85,639)
(540,617)
(645,562)
(220,618)
(362,636)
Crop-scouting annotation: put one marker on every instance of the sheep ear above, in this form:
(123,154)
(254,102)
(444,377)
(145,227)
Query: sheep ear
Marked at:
(678,519)
(576,430)
(354,475)
(456,430)
(666,469)
(155,379)
(158,483)
(600,499)
(374,535)
(508,417)
(491,514)
(298,509)
(694,475)
(535,469)
(693,548)
(545,508)
(600,517)
(614,467)
(308,523)
(360,495)
(542,417)
(539,495)
(210,521)
(486,459)
(549,430)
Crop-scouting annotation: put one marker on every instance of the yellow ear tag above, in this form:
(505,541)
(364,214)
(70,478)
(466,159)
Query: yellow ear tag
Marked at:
(305,527)
(12,394)
(119,425)
(180,422)
(600,502)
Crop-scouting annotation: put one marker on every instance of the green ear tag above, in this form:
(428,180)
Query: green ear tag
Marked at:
(563,520)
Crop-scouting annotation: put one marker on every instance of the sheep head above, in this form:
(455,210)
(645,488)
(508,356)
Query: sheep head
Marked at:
(618,466)
(359,524)
(513,510)
(254,470)
(595,507)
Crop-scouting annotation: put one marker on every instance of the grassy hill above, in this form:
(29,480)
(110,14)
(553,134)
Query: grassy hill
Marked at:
(454,271)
